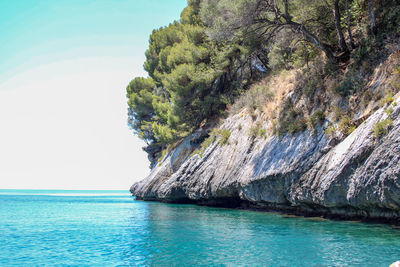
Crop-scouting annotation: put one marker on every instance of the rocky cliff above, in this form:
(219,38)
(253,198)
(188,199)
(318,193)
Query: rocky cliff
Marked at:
(308,173)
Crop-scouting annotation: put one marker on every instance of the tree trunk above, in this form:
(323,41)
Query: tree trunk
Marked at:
(308,36)
(372,16)
(263,61)
(349,25)
(287,16)
(336,15)
(262,55)
(307,57)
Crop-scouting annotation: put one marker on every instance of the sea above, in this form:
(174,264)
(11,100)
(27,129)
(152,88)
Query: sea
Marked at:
(111,228)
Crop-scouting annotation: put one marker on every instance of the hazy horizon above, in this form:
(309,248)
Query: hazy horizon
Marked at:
(64,69)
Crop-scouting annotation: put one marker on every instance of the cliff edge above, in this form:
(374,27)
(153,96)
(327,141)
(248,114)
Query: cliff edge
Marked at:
(310,172)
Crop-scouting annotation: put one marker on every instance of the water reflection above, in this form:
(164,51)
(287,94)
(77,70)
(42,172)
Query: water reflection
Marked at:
(165,234)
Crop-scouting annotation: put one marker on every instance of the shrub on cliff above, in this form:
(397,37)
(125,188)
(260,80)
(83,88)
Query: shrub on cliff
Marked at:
(381,128)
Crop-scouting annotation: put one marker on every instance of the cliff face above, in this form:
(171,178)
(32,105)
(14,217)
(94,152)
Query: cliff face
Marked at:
(307,173)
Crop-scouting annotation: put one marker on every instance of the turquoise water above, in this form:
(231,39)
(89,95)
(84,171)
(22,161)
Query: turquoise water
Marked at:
(110,228)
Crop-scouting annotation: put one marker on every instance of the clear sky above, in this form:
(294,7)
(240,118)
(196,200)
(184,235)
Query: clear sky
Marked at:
(64,67)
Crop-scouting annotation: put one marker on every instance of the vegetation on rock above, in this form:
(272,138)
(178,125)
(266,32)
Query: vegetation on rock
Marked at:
(382,127)
(296,62)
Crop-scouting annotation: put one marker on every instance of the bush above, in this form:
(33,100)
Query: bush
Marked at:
(388,99)
(209,140)
(331,130)
(395,82)
(262,132)
(346,125)
(297,126)
(255,130)
(311,86)
(352,83)
(331,68)
(382,128)
(290,120)
(224,136)
(163,154)
(316,118)
(206,143)
(338,114)
(389,111)
(196,152)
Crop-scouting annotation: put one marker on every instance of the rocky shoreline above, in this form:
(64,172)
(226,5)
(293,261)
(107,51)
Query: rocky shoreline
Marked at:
(307,174)
(349,215)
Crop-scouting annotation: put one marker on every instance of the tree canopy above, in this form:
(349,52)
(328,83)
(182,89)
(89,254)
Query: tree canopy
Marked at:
(191,79)
(218,48)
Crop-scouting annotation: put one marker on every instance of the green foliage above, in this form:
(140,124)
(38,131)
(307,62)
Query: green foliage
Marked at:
(391,17)
(395,82)
(163,154)
(141,109)
(346,125)
(280,57)
(351,84)
(303,54)
(331,68)
(389,110)
(362,52)
(209,140)
(262,132)
(388,99)
(311,85)
(317,118)
(224,136)
(271,23)
(176,97)
(191,79)
(338,114)
(382,128)
(255,130)
(288,54)
(291,120)
(163,133)
(296,126)
(220,49)
(331,130)
(206,143)
(189,14)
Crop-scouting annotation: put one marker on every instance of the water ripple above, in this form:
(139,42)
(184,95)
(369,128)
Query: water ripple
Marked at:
(96,228)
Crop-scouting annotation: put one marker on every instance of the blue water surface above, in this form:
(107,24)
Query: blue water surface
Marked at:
(110,228)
